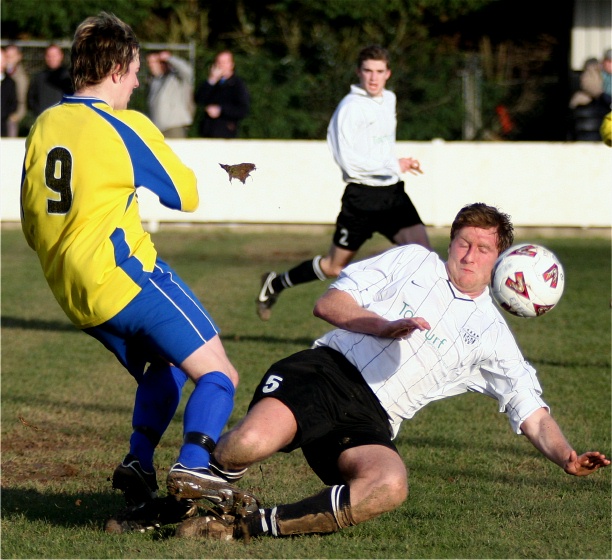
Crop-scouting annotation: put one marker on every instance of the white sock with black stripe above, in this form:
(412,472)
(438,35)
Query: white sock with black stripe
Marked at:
(306,271)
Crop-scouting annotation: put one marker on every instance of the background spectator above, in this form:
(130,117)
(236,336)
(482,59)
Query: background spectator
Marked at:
(8,93)
(170,99)
(224,97)
(581,97)
(15,69)
(592,101)
(48,86)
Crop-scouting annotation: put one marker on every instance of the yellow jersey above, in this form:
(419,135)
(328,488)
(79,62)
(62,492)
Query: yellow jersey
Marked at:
(79,208)
(606,130)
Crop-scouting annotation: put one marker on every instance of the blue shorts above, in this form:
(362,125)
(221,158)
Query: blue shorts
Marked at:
(164,321)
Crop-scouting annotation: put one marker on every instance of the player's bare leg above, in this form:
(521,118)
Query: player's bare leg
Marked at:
(318,268)
(337,258)
(252,440)
(378,480)
(377,483)
(209,357)
(413,234)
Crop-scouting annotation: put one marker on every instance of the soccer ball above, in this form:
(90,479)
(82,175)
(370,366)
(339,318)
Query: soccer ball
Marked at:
(527,280)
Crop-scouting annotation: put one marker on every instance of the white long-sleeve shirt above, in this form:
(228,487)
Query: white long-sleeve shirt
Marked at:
(361,137)
(171,96)
(468,348)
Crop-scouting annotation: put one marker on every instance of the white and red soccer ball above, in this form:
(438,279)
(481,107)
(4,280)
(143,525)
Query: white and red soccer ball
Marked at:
(527,280)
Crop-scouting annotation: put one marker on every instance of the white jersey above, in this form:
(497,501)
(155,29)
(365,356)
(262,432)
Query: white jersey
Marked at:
(468,348)
(361,137)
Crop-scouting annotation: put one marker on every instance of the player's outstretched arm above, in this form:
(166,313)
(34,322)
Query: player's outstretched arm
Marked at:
(341,310)
(544,433)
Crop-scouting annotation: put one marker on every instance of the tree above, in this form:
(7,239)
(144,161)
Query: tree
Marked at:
(56,19)
(298,56)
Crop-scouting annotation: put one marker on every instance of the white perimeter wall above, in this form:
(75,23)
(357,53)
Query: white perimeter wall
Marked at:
(538,184)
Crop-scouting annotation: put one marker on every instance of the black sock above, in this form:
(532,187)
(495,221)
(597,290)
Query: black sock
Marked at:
(254,524)
(326,512)
(306,271)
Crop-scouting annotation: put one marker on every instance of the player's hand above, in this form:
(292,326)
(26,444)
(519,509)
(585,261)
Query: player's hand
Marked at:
(213,111)
(215,74)
(586,463)
(404,327)
(410,165)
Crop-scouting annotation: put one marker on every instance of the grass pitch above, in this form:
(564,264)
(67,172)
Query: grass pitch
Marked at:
(477,490)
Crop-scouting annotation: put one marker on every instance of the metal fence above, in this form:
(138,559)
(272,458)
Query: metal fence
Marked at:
(33,61)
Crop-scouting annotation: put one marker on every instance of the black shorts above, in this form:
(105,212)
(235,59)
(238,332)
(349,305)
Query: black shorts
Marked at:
(366,210)
(334,407)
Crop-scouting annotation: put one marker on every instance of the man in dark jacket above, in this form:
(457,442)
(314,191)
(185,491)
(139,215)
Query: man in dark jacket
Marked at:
(8,93)
(49,86)
(224,97)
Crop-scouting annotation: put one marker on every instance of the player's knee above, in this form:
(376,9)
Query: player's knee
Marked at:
(395,487)
(237,448)
(400,490)
(389,491)
(380,497)
(377,477)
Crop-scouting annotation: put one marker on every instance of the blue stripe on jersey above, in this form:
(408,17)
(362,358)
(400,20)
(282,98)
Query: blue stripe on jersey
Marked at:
(130,265)
(150,173)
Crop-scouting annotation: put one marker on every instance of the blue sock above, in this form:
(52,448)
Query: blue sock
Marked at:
(207,411)
(157,398)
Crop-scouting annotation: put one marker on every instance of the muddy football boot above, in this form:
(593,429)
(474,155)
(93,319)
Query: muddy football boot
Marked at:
(151,515)
(202,484)
(212,527)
